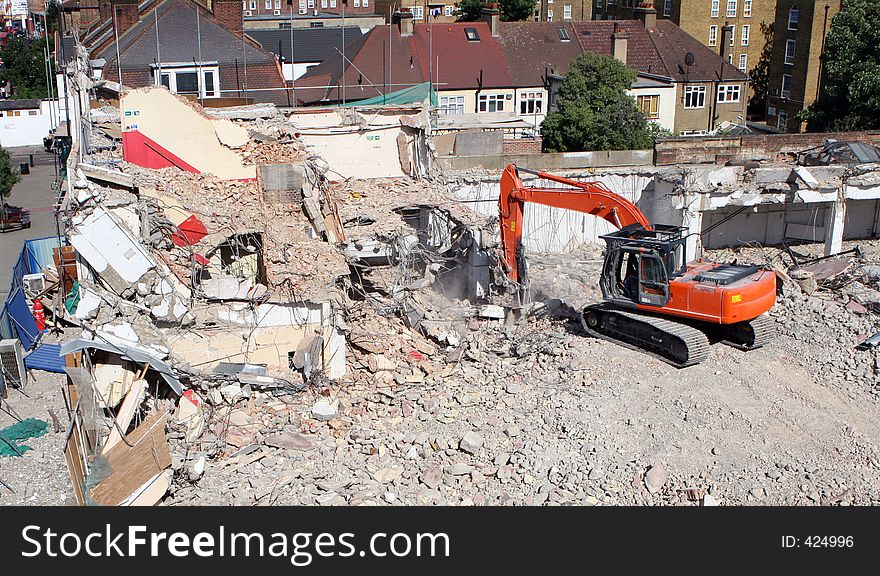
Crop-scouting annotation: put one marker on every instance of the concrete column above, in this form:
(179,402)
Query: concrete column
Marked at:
(834,224)
(692,219)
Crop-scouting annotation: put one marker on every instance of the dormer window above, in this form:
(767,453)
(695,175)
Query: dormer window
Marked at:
(563,34)
(472,34)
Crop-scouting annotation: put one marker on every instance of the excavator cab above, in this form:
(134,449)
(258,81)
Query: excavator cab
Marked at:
(639,263)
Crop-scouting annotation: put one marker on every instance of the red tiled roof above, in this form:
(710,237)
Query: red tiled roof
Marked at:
(462,62)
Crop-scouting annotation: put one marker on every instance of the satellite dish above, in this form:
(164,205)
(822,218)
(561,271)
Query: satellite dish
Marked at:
(689,58)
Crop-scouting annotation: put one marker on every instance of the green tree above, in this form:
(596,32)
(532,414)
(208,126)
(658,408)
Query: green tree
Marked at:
(52,15)
(9,176)
(759,76)
(594,112)
(24,67)
(850,95)
(511,10)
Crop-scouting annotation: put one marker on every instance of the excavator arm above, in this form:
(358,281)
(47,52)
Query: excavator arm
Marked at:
(587,197)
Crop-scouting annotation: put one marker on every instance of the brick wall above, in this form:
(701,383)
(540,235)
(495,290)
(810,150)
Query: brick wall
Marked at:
(228,13)
(719,150)
(522,146)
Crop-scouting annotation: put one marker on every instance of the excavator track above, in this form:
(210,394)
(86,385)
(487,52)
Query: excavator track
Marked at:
(747,335)
(673,342)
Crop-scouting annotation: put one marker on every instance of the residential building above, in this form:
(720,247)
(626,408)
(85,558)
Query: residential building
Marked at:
(462,60)
(438,11)
(689,95)
(795,76)
(294,16)
(563,10)
(193,51)
(311,46)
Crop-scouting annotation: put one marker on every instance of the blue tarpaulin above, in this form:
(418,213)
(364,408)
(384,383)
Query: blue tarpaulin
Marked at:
(46,357)
(22,318)
(16,320)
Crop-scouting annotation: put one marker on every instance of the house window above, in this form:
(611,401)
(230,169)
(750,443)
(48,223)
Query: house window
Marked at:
(32,112)
(730,58)
(694,96)
(311,3)
(747,8)
(278,4)
(793,15)
(452,105)
(649,106)
(743,62)
(418,12)
(667,7)
(472,34)
(186,80)
(728,93)
(745,35)
(302,6)
(563,34)
(531,103)
(566,12)
(450,10)
(715,8)
(316,25)
(333,3)
(713,35)
(731,8)
(732,35)
(491,103)
(790,46)
(268,4)
(549,15)
(357,3)
(252,5)
(323,3)
(366,3)
(786,85)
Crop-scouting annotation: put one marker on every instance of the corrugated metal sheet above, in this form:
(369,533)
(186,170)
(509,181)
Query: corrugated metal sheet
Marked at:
(46,357)
(40,251)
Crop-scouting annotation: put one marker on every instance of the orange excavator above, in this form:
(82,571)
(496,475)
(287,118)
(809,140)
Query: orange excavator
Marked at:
(654,299)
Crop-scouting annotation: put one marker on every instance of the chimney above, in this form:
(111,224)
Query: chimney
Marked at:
(404,20)
(646,12)
(229,14)
(618,46)
(491,16)
(126,12)
(105,10)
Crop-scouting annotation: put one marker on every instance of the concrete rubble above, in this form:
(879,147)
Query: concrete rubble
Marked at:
(298,337)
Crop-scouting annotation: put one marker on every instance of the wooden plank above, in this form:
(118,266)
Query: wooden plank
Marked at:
(74,464)
(133,466)
(123,419)
(150,494)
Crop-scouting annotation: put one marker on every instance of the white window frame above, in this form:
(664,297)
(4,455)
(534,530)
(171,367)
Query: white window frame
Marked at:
(173,71)
(747,8)
(729,93)
(252,5)
(333,3)
(790,51)
(713,35)
(485,102)
(794,15)
(365,3)
(533,101)
(716,8)
(653,99)
(786,79)
(549,15)
(278,4)
(745,35)
(667,8)
(323,3)
(698,98)
(733,35)
(418,12)
(450,10)
(268,4)
(311,4)
(357,3)
(731,8)
(451,105)
(743,62)
(566,12)
(782,120)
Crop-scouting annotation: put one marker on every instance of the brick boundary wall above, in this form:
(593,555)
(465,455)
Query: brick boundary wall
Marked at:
(522,146)
(722,149)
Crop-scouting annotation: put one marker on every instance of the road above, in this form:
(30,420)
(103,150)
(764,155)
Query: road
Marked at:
(35,193)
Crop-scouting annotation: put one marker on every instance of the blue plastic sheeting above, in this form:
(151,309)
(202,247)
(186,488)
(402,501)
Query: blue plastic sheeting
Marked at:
(46,357)
(22,319)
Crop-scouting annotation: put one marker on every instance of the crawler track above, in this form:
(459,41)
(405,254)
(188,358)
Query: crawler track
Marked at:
(673,342)
(747,335)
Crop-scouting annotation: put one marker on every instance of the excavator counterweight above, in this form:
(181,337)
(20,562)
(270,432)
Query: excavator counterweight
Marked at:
(655,299)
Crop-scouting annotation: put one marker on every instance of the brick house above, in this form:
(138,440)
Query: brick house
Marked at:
(200,53)
(562,10)
(795,76)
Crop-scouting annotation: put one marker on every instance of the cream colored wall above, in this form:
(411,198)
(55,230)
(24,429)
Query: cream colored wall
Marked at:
(470,97)
(264,345)
(667,103)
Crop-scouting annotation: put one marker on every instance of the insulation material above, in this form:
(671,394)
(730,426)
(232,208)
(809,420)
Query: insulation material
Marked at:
(160,130)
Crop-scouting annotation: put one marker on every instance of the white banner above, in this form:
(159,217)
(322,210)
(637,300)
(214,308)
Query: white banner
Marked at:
(18,8)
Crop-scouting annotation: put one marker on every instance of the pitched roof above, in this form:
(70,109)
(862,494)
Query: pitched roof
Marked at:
(368,64)
(19,104)
(310,44)
(532,47)
(463,63)
(179,41)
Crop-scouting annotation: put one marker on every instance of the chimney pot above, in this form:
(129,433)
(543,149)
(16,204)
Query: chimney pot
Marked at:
(646,12)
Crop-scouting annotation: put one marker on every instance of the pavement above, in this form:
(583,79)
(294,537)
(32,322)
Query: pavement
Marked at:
(35,193)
